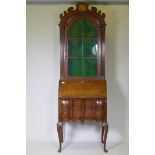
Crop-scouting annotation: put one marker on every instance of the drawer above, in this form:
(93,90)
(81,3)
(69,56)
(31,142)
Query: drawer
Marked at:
(70,109)
(77,104)
(65,115)
(100,115)
(82,109)
(77,108)
(94,109)
(64,109)
(100,110)
(89,109)
(89,115)
(90,104)
(76,115)
(65,104)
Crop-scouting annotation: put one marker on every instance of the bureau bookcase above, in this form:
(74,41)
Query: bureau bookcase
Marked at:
(82,90)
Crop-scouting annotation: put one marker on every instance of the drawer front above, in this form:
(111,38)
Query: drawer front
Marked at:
(76,115)
(100,110)
(77,104)
(89,110)
(82,109)
(77,107)
(64,109)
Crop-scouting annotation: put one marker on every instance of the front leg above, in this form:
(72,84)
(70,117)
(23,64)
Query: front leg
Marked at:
(60,134)
(104,134)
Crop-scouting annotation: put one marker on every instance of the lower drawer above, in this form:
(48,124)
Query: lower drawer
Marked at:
(82,109)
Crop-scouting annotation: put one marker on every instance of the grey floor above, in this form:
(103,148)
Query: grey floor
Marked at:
(76,149)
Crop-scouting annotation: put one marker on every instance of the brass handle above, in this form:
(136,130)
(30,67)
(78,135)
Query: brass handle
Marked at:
(99,102)
(62,82)
(64,102)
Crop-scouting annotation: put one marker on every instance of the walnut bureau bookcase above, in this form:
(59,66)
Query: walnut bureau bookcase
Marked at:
(82,91)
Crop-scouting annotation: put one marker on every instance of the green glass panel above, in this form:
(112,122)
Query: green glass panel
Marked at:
(82,28)
(74,48)
(82,43)
(89,67)
(89,29)
(89,48)
(75,67)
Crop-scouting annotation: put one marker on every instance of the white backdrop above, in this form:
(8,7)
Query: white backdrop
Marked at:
(43,53)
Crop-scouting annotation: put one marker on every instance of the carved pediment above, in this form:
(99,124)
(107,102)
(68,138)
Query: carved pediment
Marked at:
(82,9)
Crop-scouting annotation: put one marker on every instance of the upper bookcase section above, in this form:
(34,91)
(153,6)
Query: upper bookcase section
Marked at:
(82,43)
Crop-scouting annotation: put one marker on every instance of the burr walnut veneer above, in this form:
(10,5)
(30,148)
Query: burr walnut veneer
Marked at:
(82,90)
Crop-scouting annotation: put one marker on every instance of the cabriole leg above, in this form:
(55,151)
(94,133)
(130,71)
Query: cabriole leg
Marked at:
(104,134)
(60,134)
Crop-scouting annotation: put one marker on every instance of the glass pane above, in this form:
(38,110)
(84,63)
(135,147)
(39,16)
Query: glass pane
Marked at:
(82,43)
(89,29)
(82,28)
(74,48)
(89,48)
(90,67)
(75,67)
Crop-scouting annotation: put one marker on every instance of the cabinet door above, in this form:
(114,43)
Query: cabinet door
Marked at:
(82,49)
